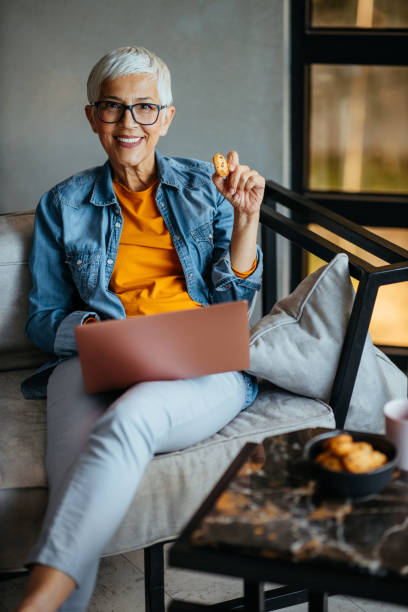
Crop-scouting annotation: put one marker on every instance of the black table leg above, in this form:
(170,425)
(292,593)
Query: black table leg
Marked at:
(317,602)
(154,578)
(254,599)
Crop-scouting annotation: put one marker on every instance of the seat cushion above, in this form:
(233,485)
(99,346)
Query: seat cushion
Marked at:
(173,486)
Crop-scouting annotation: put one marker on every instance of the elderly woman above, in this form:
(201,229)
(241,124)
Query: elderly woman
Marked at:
(142,234)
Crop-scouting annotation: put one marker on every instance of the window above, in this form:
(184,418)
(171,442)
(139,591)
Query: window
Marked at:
(349,93)
(357,14)
(358,139)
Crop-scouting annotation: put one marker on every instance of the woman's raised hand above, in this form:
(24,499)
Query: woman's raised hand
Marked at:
(242,187)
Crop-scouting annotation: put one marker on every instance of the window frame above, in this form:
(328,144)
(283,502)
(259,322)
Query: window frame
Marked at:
(351,46)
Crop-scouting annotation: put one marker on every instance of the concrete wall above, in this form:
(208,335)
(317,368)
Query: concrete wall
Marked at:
(227,59)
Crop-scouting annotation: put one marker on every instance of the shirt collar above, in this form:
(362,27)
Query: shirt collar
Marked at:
(103,192)
(165,171)
(179,176)
(181,173)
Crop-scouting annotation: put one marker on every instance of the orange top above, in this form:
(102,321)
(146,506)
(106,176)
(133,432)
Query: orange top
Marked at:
(148,276)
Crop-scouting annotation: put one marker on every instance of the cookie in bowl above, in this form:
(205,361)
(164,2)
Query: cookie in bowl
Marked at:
(350,464)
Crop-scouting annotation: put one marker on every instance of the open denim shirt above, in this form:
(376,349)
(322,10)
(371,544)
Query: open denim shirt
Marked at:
(77,231)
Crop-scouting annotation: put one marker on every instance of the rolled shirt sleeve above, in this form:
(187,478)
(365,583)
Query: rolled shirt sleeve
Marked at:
(227,285)
(65,343)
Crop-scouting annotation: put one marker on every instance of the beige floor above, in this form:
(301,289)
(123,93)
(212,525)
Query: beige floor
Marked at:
(120,589)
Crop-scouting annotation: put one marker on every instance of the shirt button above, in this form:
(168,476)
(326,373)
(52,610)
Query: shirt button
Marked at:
(79,262)
(190,275)
(110,261)
(176,237)
(117,224)
(210,235)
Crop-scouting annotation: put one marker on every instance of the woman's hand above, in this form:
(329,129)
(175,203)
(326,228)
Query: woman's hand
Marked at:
(243,188)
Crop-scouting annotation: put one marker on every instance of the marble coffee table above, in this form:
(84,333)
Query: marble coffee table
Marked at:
(265,521)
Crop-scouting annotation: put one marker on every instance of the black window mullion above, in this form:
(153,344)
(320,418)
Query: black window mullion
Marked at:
(363,47)
(298,103)
(299,75)
(355,207)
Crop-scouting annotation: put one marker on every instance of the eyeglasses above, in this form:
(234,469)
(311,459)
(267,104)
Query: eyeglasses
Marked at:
(144,113)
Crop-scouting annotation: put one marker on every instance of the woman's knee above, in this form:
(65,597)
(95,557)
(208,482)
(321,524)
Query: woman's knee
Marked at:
(66,376)
(138,414)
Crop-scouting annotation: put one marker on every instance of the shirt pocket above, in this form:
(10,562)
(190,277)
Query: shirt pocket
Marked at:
(84,266)
(203,237)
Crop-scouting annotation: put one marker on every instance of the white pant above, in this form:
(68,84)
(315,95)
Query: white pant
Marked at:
(98,447)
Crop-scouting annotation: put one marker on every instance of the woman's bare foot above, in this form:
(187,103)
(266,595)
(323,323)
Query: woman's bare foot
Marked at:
(46,590)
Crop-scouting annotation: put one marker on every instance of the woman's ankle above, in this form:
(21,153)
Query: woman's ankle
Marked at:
(27,605)
(46,590)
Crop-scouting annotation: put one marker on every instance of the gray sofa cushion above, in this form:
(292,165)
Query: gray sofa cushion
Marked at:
(173,486)
(16,351)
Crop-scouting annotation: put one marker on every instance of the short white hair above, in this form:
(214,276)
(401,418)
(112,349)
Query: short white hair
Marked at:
(130,60)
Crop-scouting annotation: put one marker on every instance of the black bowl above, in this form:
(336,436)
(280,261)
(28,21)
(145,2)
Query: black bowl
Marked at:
(347,484)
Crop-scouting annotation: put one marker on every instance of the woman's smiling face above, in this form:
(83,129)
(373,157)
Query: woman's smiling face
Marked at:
(127,143)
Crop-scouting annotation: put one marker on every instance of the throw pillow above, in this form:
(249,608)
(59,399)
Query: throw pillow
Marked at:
(298,344)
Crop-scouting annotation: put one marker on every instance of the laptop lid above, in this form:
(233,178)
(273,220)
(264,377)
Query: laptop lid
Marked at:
(115,354)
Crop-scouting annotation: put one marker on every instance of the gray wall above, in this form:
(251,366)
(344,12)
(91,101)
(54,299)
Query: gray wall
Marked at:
(227,59)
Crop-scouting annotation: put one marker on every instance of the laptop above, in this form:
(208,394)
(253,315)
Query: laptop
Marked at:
(116,354)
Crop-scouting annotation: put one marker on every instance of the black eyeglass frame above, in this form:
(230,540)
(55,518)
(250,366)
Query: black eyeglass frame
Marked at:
(130,107)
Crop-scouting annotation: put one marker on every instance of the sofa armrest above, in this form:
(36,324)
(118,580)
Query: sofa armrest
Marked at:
(303,212)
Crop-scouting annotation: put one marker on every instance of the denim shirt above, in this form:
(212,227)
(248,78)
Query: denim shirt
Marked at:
(77,231)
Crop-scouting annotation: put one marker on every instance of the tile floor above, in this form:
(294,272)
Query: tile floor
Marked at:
(120,589)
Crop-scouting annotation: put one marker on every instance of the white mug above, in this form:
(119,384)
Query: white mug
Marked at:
(396,427)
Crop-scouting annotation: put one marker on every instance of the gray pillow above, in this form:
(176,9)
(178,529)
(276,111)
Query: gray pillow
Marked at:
(297,347)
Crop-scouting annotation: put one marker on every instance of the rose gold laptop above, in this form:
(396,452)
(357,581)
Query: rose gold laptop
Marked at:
(115,354)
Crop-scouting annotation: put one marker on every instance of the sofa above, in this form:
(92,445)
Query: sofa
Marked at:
(174,484)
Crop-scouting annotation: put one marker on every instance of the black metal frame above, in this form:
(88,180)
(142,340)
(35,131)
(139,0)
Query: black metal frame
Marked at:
(370,277)
(154,577)
(274,599)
